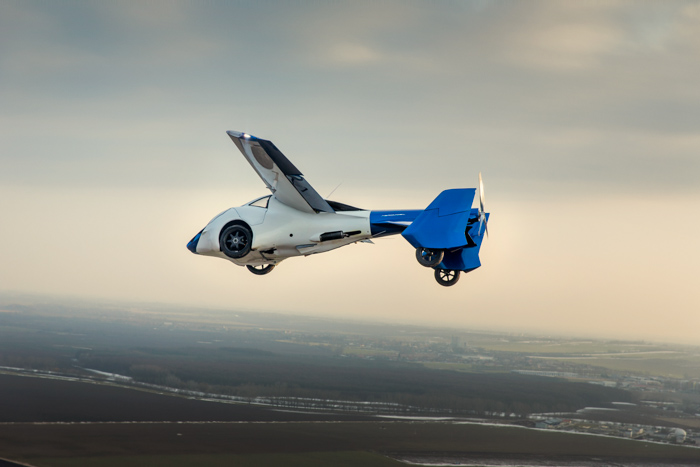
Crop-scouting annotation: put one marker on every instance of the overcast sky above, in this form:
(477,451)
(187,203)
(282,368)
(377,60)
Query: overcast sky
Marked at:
(584,118)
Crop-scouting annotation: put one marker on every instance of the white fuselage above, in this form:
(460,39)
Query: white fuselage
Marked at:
(281,232)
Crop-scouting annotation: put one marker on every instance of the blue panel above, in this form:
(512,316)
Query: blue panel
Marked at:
(192,245)
(462,259)
(453,201)
(444,223)
(467,258)
(391,222)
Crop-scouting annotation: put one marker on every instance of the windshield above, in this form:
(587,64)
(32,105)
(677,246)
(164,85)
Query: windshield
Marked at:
(260,202)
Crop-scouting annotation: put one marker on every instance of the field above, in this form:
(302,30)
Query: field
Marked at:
(307,459)
(183,443)
(29,399)
(252,361)
(106,386)
(47,422)
(672,365)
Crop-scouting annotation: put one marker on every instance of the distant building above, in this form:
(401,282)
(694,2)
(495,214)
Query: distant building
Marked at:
(549,423)
(673,435)
(677,436)
(456,343)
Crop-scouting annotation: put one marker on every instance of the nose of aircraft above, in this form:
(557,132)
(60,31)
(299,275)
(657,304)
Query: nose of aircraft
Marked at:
(192,245)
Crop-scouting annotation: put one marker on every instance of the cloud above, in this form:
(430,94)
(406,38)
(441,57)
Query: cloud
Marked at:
(566,47)
(91,42)
(538,91)
(348,54)
(582,117)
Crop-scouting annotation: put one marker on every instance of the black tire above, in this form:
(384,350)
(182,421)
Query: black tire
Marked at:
(429,258)
(261,270)
(235,241)
(446,277)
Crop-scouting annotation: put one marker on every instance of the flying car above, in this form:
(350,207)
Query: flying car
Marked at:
(296,221)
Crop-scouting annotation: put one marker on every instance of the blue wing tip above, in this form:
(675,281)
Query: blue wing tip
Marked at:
(240,134)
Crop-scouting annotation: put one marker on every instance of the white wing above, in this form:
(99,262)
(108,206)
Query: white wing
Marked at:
(284,180)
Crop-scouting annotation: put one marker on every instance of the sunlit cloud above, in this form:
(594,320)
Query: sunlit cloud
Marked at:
(567,46)
(346,54)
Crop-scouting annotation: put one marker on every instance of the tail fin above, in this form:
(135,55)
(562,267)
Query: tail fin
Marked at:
(444,222)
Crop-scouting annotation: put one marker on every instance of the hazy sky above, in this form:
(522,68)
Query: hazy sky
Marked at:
(584,118)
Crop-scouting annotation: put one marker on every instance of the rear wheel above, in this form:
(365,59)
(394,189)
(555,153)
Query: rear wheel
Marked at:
(429,258)
(236,241)
(261,270)
(446,277)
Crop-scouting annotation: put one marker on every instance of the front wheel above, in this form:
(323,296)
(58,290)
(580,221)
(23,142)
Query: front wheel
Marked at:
(236,241)
(261,270)
(429,258)
(446,277)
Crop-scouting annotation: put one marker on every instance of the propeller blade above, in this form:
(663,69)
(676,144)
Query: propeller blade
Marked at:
(482,198)
(482,211)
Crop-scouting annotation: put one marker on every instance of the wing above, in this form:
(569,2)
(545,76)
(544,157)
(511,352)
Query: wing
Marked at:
(284,180)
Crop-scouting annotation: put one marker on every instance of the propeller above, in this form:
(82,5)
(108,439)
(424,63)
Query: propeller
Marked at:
(482,213)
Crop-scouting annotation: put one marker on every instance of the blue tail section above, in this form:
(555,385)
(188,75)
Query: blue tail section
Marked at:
(450,224)
(466,258)
(383,223)
(443,224)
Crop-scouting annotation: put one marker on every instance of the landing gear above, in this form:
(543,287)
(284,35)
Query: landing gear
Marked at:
(429,258)
(261,270)
(446,277)
(235,241)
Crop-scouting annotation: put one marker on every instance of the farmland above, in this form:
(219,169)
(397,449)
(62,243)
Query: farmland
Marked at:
(188,443)
(90,384)
(249,360)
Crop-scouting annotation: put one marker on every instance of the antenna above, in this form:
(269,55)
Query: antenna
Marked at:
(333,191)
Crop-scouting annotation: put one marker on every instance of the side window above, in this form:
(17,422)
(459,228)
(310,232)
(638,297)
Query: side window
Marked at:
(262,202)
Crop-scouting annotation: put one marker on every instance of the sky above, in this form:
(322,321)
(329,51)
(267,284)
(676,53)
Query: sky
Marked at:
(584,118)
